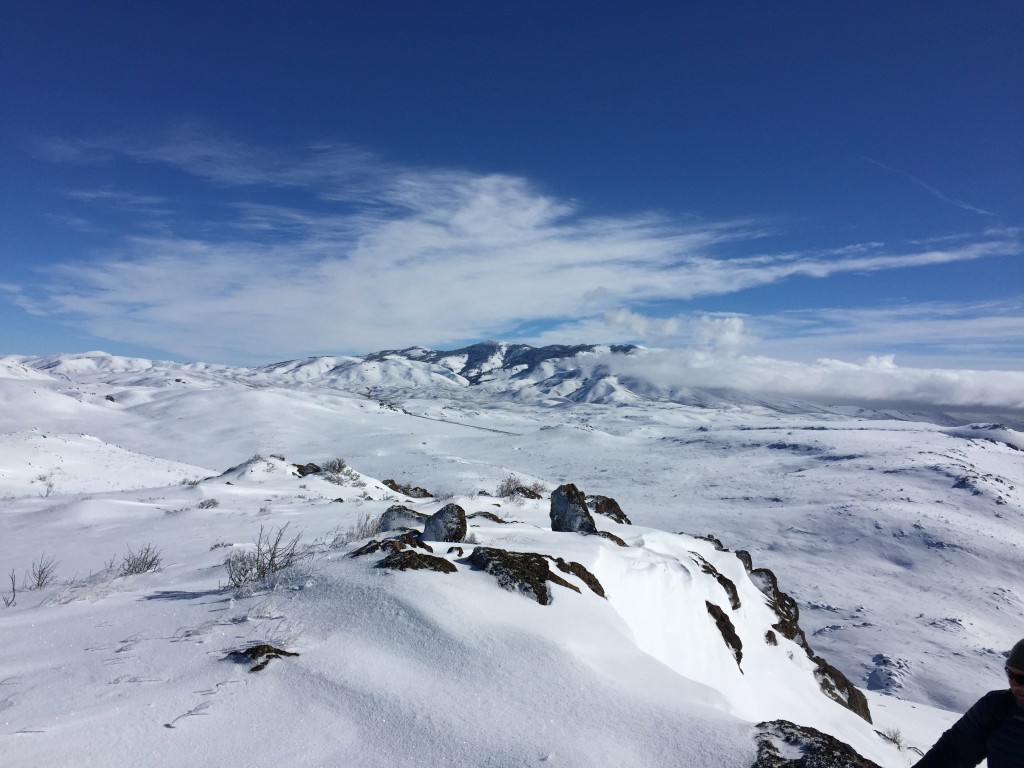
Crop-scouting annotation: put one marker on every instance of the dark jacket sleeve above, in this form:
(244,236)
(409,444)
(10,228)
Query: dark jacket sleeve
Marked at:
(963,745)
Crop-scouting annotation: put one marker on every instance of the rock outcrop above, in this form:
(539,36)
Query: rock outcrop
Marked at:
(609,507)
(411,560)
(569,513)
(393,544)
(399,516)
(528,572)
(412,491)
(728,630)
(782,744)
(832,682)
(447,524)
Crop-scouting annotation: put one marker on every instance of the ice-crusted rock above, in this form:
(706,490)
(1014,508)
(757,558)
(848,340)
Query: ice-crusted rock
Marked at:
(399,516)
(569,513)
(782,744)
(447,524)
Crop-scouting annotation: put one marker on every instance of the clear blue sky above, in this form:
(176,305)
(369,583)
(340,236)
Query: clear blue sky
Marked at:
(246,182)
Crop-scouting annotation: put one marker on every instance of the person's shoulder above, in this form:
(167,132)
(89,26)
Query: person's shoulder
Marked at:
(994,701)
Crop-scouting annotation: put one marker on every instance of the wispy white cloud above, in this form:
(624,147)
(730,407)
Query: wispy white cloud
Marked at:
(385,256)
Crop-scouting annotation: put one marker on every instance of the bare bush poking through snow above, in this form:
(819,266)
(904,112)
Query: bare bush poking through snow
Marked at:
(209,504)
(42,572)
(507,487)
(366,525)
(10,601)
(512,488)
(270,555)
(894,736)
(145,560)
(340,473)
(337,466)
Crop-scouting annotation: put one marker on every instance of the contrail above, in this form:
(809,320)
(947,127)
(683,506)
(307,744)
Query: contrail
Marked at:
(929,188)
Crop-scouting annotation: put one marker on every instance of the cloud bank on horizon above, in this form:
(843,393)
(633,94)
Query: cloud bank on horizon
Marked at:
(368,255)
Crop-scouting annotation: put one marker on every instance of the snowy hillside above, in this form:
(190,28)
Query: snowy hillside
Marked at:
(899,540)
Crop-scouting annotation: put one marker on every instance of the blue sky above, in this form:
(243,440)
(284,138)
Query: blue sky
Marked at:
(249,182)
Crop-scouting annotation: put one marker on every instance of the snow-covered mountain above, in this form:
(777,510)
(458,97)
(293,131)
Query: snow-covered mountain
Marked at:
(776,550)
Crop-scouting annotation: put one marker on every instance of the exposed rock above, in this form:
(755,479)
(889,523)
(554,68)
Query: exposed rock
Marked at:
(393,544)
(569,512)
(456,551)
(744,557)
(609,507)
(398,516)
(411,560)
(785,607)
(447,524)
(110,398)
(524,493)
(779,740)
(307,469)
(715,541)
(728,630)
(580,572)
(524,572)
(487,516)
(770,638)
(412,491)
(611,537)
(727,584)
(832,682)
(838,687)
(257,652)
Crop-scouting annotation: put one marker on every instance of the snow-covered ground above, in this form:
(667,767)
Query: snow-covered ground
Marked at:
(900,540)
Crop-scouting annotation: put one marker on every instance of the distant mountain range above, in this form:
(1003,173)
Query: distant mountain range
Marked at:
(548,375)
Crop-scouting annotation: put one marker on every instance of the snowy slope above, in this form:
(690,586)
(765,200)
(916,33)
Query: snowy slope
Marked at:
(899,539)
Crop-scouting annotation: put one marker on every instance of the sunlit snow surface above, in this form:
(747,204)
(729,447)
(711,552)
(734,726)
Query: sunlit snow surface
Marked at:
(901,541)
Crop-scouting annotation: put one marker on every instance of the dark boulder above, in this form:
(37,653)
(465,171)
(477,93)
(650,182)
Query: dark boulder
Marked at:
(307,469)
(569,512)
(782,744)
(447,524)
